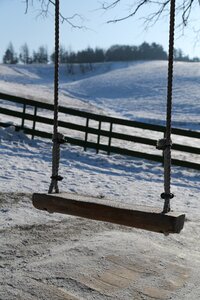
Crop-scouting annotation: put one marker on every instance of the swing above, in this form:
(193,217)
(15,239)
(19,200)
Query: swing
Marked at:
(101,209)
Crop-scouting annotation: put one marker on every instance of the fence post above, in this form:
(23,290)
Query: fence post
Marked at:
(98,137)
(34,121)
(86,133)
(110,137)
(23,117)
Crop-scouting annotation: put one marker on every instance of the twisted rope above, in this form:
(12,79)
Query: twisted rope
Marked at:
(56,145)
(167,151)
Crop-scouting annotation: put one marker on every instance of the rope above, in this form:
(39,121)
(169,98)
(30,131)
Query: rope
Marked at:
(56,145)
(167,151)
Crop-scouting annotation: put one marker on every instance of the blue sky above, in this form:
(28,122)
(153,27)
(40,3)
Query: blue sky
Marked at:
(18,27)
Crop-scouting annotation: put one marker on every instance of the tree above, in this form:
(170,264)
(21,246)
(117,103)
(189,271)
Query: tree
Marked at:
(151,52)
(99,55)
(63,55)
(179,55)
(70,62)
(115,53)
(196,59)
(41,56)
(24,55)
(157,52)
(10,57)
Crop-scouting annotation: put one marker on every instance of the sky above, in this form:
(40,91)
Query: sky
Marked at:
(19,27)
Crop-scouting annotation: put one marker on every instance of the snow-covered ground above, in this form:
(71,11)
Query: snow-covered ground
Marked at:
(132,90)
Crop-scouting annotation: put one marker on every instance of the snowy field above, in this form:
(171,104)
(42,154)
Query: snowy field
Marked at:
(59,257)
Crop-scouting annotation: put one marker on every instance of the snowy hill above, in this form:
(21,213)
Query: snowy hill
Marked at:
(133,90)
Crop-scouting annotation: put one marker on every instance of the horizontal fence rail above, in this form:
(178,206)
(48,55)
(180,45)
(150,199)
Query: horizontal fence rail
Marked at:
(28,110)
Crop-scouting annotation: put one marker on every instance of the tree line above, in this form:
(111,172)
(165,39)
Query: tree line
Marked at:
(89,56)
(24,56)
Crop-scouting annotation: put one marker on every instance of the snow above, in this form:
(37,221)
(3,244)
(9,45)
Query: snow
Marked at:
(133,90)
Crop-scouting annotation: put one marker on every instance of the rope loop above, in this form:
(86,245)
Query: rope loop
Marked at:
(167,198)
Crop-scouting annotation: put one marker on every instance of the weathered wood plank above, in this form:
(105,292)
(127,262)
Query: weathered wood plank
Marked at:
(105,210)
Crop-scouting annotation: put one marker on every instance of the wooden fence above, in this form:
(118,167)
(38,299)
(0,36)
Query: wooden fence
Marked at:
(95,131)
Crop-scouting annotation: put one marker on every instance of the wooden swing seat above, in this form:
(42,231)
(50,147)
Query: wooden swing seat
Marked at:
(101,209)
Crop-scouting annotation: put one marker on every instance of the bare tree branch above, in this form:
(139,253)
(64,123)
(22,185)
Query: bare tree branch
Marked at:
(131,14)
(160,7)
(105,5)
(152,18)
(184,9)
(44,11)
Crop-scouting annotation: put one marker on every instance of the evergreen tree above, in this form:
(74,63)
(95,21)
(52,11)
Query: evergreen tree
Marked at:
(41,56)
(10,57)
(144,51)
(63,55)
(99,55)
(157,52)
(113,53)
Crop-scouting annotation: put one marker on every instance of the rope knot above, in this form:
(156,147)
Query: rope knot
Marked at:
(167,196)
(57,177)
(59,138)
(162,144)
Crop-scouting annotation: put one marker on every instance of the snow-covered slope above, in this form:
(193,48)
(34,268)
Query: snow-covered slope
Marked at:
(134,90)
(138,91)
